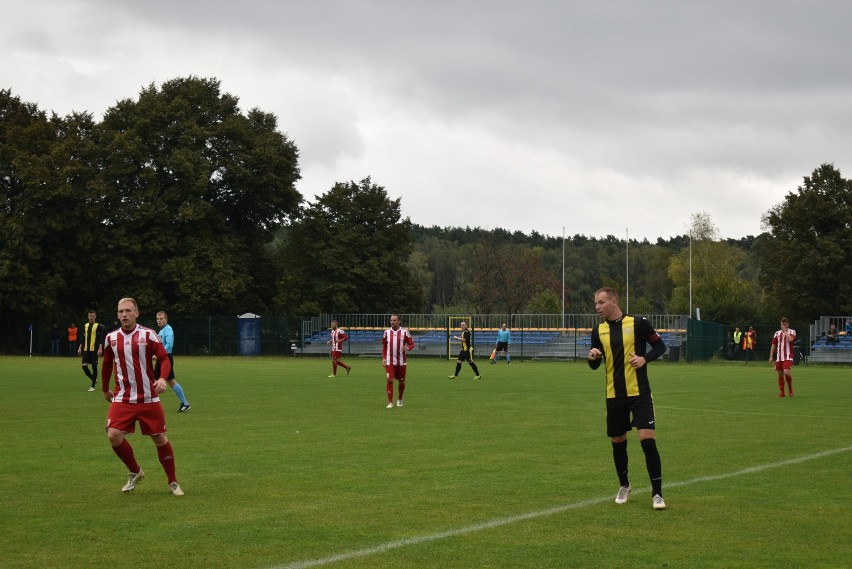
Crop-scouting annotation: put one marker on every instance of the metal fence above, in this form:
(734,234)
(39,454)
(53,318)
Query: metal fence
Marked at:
(541,336)
(534,335)
(194,335)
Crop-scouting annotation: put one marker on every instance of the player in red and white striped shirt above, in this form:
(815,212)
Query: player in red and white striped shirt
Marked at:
(128,351)
(396,343)
(782,352)
(338,336)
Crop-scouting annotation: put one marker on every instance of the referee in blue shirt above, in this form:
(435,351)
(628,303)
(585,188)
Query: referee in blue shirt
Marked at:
(504,338)
(167,336)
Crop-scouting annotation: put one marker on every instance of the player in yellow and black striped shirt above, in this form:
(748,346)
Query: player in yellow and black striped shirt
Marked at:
(465,352)
(620,340)
(92,347)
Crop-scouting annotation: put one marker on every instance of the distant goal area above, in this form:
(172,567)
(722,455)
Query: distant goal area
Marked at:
(534,336)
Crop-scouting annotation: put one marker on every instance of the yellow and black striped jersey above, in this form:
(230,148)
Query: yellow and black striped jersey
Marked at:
(619,339)
(93,336)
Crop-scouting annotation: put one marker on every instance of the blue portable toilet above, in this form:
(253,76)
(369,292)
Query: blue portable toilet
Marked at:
(249,325)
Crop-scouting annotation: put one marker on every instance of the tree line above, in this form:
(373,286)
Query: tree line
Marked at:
(183,200)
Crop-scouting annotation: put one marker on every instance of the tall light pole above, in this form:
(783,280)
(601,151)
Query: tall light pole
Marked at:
(627,266)
(562,325)
(690,273)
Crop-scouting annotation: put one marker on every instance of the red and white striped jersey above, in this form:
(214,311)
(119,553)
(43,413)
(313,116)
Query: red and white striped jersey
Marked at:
(129,354)
(338,336)
(392,343)
(784,350)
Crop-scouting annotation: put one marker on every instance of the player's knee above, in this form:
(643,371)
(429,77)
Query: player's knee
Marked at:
(115,437)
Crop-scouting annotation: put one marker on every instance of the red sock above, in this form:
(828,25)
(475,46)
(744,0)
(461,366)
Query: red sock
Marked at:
(401,388)
(125,452)
(790,384)
(781,383)
(334,368)
(167,459)
(390,390)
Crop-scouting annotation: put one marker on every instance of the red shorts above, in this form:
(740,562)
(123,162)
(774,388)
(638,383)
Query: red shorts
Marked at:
(781,366)
(123,417)
(395,372)
(336,355)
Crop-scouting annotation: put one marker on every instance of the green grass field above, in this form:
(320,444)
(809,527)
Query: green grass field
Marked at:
(285,468)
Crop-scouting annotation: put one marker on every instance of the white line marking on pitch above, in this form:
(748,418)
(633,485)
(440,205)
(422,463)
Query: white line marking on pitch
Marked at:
(785,416)
(384,547)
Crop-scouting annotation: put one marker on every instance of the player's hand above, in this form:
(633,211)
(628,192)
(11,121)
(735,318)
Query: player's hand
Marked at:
(160,385)
(108,396)
(636,362)
(595,354)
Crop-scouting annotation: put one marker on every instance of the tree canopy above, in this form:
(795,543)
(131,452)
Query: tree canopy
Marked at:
(186,202)
(349,252)
(806,254)
(171,198)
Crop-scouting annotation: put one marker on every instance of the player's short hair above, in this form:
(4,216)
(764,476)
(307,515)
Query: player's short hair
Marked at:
(610,292)
(164,313)
(784,320)
(92,311)
(131,301)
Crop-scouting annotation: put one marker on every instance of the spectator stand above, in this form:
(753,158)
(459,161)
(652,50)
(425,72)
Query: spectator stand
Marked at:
(823,352)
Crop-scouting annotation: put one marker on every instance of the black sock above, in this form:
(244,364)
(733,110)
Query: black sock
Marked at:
(475,369)
(619,457)
(655,468)
(88,373)
(458,369)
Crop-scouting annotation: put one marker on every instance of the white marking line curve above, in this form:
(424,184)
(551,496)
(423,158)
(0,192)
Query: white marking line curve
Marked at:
(786,416)
(391,545)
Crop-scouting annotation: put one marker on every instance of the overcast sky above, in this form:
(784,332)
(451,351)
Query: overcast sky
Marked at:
(599,117)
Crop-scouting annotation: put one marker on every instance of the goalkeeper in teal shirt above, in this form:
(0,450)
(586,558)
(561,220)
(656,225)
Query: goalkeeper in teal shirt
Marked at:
(504,338)
(167,336)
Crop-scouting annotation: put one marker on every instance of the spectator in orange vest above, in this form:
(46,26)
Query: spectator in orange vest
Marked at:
(749,340)
(72,340)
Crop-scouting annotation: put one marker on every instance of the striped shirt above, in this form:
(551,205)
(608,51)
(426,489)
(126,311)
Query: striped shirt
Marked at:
(338,336)
(392,343)
(129,354)
(784,351)
(92,336)
(617,339)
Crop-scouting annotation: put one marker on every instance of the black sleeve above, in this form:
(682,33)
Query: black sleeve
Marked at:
(658,347)
(596,343)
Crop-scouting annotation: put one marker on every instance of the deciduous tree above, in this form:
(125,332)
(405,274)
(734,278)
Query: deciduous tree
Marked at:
(349,252)
(806,256)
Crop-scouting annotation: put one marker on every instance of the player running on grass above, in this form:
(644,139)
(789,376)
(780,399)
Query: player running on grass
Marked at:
(136,397)
(336,340)
(465,352)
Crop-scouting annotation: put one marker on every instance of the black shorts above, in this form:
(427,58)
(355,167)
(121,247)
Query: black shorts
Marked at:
(90,358)
(464,356)
(620,409)
(502,346)
(171,373)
